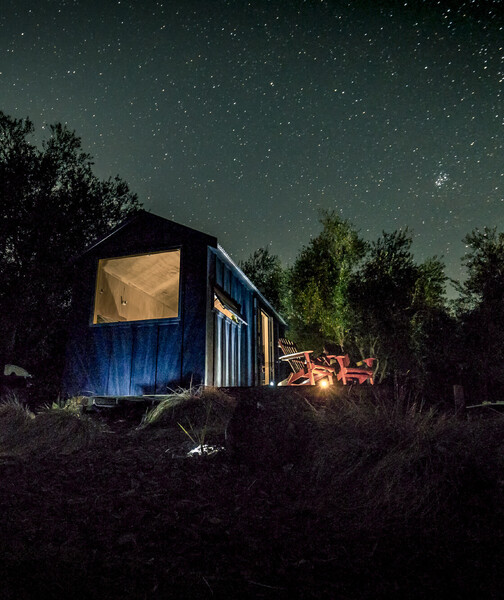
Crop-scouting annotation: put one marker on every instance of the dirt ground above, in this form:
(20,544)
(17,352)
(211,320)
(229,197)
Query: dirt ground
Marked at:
(132,516)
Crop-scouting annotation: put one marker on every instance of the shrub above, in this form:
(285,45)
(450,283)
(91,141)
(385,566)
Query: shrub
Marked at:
(15,420)
(53,430)
(202,413)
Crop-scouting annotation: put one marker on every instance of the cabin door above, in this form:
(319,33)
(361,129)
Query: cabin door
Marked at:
(266,351)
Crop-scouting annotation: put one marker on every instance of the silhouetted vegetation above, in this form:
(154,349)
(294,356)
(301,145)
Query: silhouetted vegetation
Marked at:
(265,271)
(53,207)
(315,495)
(346,295)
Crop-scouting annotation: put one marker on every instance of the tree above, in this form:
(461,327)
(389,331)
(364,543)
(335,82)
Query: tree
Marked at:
(53,207)
(485,267)
(267,274)
(396,306)
(481,311)
(320,313)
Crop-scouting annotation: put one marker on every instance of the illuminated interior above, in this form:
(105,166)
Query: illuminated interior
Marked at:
(227,306)
(225,311)
(137,288)
(267,344)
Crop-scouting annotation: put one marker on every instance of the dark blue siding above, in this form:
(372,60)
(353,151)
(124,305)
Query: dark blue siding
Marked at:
(144,359)
(140,357)
(169,367)
(233,351)
(119,361)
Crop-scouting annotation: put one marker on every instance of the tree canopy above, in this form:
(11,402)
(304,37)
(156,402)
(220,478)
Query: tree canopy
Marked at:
(481,311)
(393,300)
(319,283)
(267,274)
(53,207)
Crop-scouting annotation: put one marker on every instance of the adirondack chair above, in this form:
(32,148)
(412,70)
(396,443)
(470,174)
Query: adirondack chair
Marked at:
(305,370)
(357,374)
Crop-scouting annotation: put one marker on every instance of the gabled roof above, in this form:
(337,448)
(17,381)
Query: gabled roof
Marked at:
(151,220)
(248,283)
(143,215)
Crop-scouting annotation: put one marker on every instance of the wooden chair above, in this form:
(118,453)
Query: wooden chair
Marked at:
(305,370)
(355,374)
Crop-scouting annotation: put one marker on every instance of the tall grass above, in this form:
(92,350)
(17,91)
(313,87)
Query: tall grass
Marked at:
(15,423)
(387,468)
(54,430)
(201,413)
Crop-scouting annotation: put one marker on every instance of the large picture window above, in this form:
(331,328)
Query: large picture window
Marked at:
(137,288)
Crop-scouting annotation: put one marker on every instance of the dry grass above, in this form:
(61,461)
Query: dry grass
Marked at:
(318,497)
(15,423)
(201,413)
(52,430)
(404,465)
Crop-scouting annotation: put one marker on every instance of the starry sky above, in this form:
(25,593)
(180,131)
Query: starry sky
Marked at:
(244,118)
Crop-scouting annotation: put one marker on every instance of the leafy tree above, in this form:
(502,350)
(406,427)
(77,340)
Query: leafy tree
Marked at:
(481,311)
(485,267)
(396,306)
(320,313)
(267,274)
(53,207)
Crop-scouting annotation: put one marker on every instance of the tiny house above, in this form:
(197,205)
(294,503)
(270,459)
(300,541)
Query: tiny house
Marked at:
(157,305)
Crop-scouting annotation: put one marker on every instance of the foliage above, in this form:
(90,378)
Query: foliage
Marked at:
(51,431)
(481,312)
(319,283)
(75,404)
(53,208)
(380,503)
(267,274)
(397,306)
(485,266)
(202,413)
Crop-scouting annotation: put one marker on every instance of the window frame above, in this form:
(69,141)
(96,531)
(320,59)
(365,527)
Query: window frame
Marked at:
(228,304)
(176,319)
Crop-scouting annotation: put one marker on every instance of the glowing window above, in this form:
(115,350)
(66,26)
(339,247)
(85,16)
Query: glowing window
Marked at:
(227,306)
(137,288)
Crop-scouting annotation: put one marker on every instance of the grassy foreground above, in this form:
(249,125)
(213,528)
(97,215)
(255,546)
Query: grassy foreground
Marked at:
(315,496)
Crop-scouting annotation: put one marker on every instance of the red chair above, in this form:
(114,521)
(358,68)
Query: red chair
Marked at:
(305,371)
(356,374)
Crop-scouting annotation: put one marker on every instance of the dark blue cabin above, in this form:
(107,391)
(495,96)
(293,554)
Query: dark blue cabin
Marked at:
(158,305)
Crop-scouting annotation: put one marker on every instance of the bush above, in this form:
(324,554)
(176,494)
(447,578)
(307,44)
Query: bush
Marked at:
(15,421)
(53,430)
(202,414)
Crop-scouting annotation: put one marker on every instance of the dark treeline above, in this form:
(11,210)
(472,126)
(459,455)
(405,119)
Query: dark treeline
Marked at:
(52,208)
(346,295)
(342,294)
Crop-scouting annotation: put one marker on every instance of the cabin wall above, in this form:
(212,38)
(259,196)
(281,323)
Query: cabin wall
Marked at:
(232,348)
(229,344)
(201,345)
(142,357)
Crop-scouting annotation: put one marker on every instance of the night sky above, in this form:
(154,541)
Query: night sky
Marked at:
(243,119)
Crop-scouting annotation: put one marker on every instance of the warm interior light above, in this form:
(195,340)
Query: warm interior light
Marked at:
(324,383)
(225,311)
(136,288)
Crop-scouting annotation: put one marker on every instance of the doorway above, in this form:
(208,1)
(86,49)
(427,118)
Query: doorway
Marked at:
(266,350)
